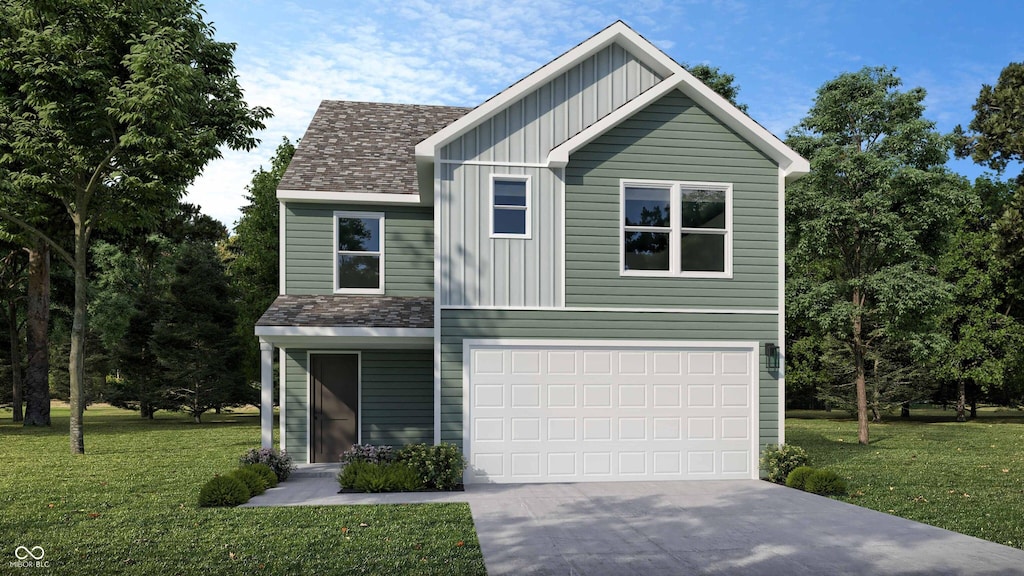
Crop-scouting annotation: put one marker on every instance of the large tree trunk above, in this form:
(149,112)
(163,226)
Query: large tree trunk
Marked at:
(861,375)
(37,324)
(961,400)
(12,326)
(76,364)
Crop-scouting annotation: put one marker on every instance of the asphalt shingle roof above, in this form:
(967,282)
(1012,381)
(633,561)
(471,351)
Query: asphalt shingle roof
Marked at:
(346,310)
(364,147)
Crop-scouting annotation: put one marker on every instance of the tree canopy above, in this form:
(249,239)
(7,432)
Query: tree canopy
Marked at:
(111,109)
(866,225)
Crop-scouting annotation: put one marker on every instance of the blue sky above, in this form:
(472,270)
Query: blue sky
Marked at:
(292,54)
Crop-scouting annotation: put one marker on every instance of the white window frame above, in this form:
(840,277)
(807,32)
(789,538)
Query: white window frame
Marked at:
(335,252)
(676,229)
(527,209)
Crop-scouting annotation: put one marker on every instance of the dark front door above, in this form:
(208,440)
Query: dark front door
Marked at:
(335,393)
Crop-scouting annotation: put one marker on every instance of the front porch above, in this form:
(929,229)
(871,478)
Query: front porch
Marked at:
(389,397)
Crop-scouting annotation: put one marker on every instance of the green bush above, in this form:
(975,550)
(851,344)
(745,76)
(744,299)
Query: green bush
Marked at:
(223,491)
(268,476)
(372,477)
(825,483)
(252,480)
(439,466)
(798,477)
(348,473)
(778,461)
(278,461)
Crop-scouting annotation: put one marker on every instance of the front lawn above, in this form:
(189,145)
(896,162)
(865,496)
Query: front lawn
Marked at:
(129,507)
(966,477)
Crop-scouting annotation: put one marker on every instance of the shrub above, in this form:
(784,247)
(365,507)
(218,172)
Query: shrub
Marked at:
(373,477)
(798,477)
(252,480)
(348,473)
(367,453)
(825,483)
(223,491)
(439,466)
(278,461)
(268,476)
(778,461)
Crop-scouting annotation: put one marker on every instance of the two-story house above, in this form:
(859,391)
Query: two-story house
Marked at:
(580,279)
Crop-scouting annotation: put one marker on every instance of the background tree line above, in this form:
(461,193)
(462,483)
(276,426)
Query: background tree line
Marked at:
(904,280)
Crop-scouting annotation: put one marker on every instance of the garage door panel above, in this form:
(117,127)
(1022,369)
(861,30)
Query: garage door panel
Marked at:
(588,414)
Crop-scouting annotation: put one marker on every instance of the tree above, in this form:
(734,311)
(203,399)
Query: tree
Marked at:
(995,137)
(718,81)
(111,109)
(194,340)
(866,225)
(12,283)
(253,251)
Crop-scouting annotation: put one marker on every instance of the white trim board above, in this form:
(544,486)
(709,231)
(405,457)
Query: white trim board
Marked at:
(344,331)
(674,77)
(348,197)
(761,311)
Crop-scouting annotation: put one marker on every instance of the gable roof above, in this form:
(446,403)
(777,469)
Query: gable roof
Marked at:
(675,77)
(362,148)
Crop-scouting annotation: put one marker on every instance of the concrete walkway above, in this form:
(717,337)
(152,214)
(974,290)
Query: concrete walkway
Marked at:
(734,527)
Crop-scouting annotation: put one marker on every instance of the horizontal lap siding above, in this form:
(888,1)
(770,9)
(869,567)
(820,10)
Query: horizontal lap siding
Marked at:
(673,139)
(398,396)
(408,248)
(296,400)
(457,325)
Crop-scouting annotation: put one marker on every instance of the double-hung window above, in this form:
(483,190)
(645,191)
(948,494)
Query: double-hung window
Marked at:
(510,206)
(359,252)
(676,229)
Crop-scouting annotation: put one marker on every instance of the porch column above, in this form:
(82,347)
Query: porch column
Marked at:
(267,394)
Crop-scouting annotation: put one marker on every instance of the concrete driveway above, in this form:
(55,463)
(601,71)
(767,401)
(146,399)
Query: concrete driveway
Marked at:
(734,527)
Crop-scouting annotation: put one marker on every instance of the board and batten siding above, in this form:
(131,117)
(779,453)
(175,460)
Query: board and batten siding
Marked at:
(672,139)
(310,252)
(477,270)
(397,404)
(530,127)
(578,326)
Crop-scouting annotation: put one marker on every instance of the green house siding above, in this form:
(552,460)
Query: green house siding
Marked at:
(397,404)
(672,139)
(457,325)
(408,248)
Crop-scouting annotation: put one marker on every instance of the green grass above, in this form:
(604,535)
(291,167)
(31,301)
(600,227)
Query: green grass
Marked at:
(966,477)
(129,507)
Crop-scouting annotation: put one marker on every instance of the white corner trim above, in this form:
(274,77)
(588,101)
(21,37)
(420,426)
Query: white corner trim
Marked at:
(618,32)
(282,373)
(349,197)
(344,331)
(782,306)
(282,248)
(436,330)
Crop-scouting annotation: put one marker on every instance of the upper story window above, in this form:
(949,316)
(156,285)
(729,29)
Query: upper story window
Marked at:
(359,247)
(676,229)
(510,206)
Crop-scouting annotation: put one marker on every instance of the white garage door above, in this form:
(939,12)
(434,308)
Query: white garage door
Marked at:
(542,412)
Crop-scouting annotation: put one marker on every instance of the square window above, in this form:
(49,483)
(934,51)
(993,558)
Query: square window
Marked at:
(676,229)
(359,252)
(510,206)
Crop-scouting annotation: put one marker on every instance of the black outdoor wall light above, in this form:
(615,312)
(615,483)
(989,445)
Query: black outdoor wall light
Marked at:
(771,355)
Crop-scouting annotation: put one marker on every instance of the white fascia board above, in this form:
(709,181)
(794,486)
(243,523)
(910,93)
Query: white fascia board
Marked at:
(269,332)
(791,163)
(618,32)
(348,197)
(559,155)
